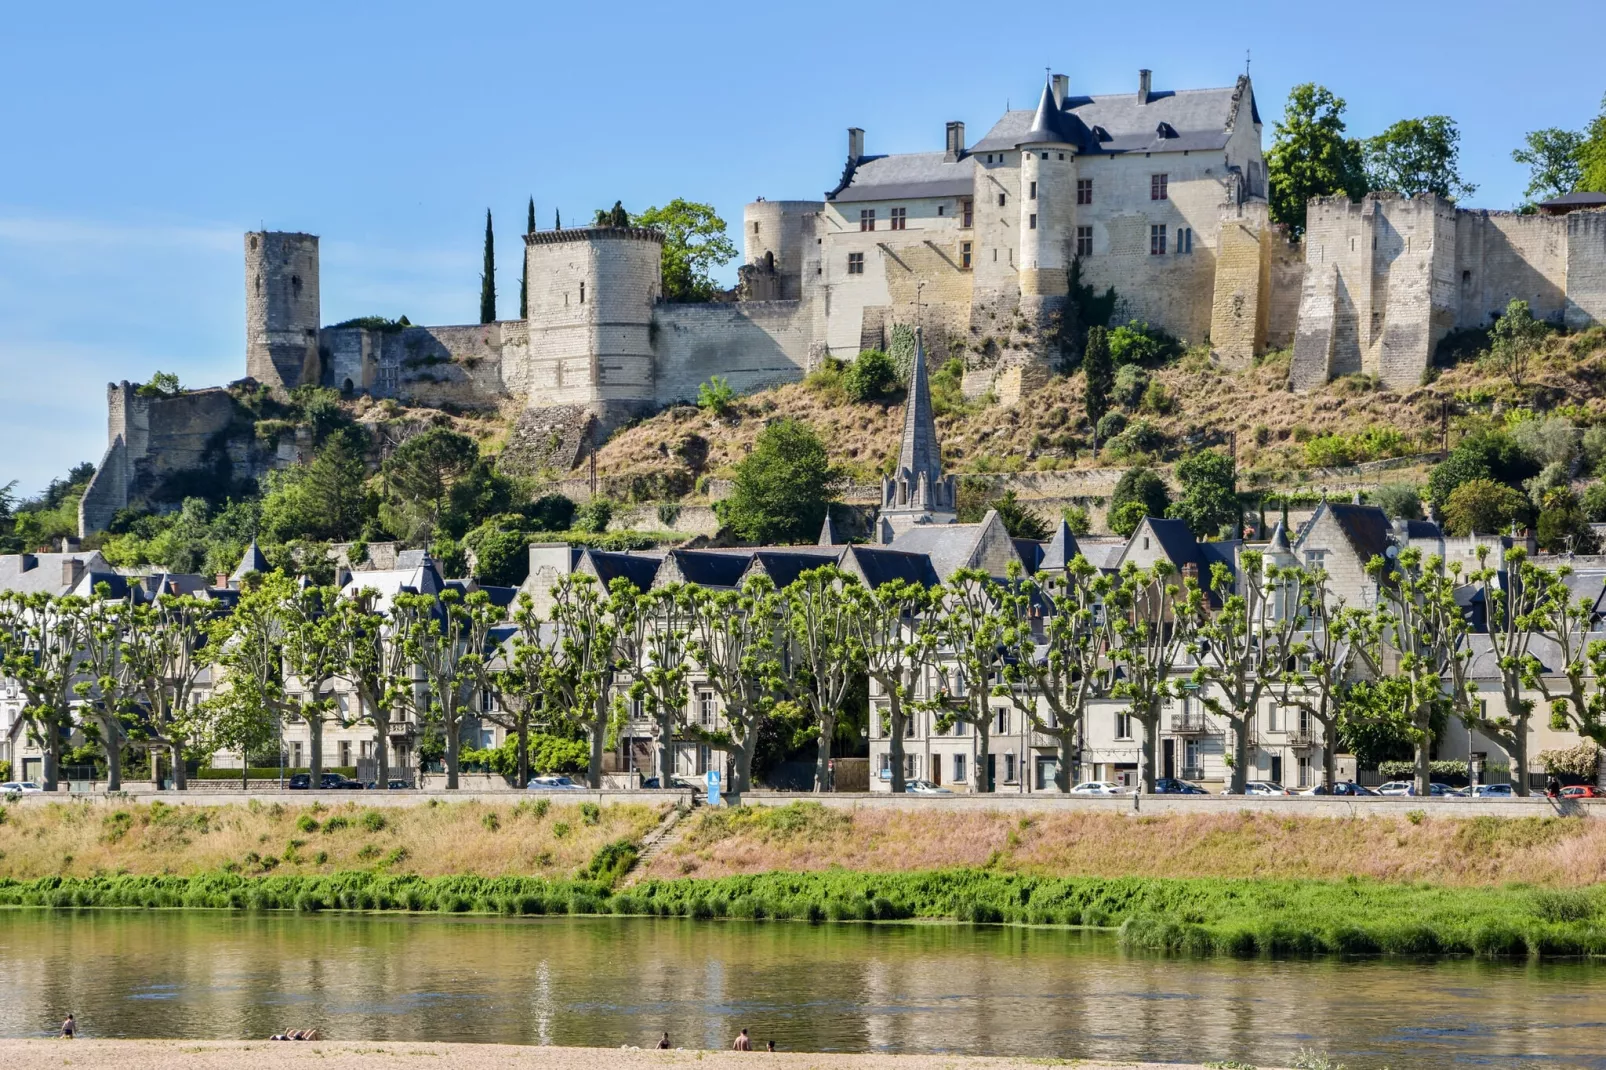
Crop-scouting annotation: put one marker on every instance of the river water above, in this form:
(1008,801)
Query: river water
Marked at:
(905,988)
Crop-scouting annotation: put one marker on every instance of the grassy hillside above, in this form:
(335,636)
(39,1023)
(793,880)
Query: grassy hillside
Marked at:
(1198,402)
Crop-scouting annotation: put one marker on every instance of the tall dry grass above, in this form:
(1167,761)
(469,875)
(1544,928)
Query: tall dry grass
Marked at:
(525,838)
(1558,852)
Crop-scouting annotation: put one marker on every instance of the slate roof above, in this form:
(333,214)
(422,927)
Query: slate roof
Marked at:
(880,564)
(707,568)
(1576,200)
(1192,119)
(909,175)
(1031,554)
(1060,550)
(35,573)
(253,560)
(949,547)
(785,566)
(919,452)
(830,533)
(1366,527)
(639,569)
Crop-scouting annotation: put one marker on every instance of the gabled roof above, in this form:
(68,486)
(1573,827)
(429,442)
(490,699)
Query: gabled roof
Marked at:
(907,176)
(876,565)
(785,566)
(36,573)
(1031,554)
(609,565)
(1060,550)
(705,568)
(1365,527)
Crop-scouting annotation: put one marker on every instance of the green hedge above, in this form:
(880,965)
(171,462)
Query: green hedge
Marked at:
(1194,916)
(269,772)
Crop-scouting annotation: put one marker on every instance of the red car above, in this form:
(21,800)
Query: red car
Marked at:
(1582,791)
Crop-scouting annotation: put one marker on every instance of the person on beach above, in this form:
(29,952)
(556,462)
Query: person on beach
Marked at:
(742,1043)
(769,1045)
(69,1028)
(663,1042)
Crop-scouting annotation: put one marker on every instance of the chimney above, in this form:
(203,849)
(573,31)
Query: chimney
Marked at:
(1143,85)
(72,570)
(70,544)
(1062,89)
(855,144)
(955,142)
(222,580)
(1190,571)
(27,562)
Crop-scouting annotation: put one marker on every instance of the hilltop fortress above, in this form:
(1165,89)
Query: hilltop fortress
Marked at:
(1158,196)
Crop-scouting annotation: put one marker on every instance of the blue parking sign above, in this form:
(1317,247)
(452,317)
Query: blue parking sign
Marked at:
(713,787)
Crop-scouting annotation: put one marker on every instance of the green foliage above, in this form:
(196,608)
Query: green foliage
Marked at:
(1372,723)
(1400,501)
(1130,383)
(1482,505)
(1144,487)
(1592,154)
(1209,501)
(1311,156)
(780,491)
(1554,160)
(1020,520)
(376,323)
(318,408)
(901,348)
(37,523)
(1077,520)
(161,385)
(1515,339)
(501,554)
(488,275)
(1156,399)
(548,754)
(1138,343)
(1110,425)
(1100,375)
(323,500)
(716,396)
(827,379)
(594,516)
(695,243)
(1338,450)
(1580,761)
(1140,439)
(550,512)
(1563,527)
(872,377)
(1489,455)
(1416,156)
(947,389)
(421,474)
(1594,503)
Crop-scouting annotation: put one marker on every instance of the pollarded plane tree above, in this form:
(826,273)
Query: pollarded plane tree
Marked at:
(311,627)
(970,627)
(735,643)
(520,676)
(891,625)
(1154,619)
(170,647)
(1057,642)
(107,684)
(585,657)
(658,643)
(446,638)
(826,656)
(1321,662)
(373,660)
(42,641)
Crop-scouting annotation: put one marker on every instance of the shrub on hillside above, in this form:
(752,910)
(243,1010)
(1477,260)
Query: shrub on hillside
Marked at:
(871,377)
(1138,343)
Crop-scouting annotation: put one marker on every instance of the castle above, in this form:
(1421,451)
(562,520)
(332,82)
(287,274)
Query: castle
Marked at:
(1158,196)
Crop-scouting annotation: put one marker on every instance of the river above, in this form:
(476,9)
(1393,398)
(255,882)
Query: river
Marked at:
(903,988)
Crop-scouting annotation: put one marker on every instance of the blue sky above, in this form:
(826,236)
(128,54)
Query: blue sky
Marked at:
(142,140)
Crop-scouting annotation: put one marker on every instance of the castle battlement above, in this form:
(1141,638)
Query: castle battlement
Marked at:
(574,234)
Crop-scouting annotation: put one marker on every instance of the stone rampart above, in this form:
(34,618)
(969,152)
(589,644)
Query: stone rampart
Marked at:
(1586,270)
(750,344)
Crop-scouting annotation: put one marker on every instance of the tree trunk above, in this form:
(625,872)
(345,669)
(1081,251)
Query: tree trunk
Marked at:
(381,752)
(1240,754)
(1147,755)
(315,749)
(895,729)
(978,775)
(1519,759)
(1330,755)
(664,748)
(1063,780)
(822,760)
(452,745)
(742,778)
(523,731)
(599,734)
(114,757)
(52,762)
(1424,771)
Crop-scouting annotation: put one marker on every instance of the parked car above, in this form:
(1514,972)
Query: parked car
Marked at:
(1098,787)
(1260,787)
(327,781)
(1494,791)
(552,783)
(1342,787)
(1167,785)
(1395,787)
(21,787)
(1582,791)
(924,787)
(398,785)
(1440,791)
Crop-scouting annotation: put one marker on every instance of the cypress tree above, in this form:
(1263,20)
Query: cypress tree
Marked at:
(529,222)
(524,296)
(488,276)
(557,219)
(1100,376)
(618,217)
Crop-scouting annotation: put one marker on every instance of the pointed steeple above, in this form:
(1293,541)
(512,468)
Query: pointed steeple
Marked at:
(1061,549)
(1045,124)
(919,452)
(830,534)
(253,561)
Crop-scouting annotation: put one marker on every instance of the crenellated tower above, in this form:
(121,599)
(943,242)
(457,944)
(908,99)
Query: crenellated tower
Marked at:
(281,309)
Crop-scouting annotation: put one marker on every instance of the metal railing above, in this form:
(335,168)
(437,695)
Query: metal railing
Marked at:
(1188,723)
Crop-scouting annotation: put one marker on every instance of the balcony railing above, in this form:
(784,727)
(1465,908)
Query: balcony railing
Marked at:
(1188,724)
(1192,772)
(1299,737)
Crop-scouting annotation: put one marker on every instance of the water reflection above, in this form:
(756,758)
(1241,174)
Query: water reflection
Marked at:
(912,988)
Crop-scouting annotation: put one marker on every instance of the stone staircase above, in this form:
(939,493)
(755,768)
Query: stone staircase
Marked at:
(668,833)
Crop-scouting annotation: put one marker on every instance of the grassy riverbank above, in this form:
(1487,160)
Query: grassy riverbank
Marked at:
(1197,916)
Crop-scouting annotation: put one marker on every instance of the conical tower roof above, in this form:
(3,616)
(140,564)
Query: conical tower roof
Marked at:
(920,451)
(830,534)
(1278,544)
(1061,549)
(252,561)
(1046,123)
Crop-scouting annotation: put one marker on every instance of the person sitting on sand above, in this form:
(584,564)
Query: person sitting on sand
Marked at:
(742,1043)
(69,1028)
(663,1042)
(769,1045)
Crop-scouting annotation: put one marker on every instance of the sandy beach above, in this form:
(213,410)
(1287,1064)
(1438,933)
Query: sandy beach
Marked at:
(358,1055)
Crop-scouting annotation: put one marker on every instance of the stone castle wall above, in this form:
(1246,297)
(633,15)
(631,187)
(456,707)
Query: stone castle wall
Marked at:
(1586,269)
(281,308)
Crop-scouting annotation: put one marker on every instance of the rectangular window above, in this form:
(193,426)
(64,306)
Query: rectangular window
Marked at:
(964,255)
(959,769)
(1084,191)
(1001,725)
(1084,241)
(1032,222)
(1009,767)
(705,708)
(755,226)
(940,208)
(345,752)
(855,263)
(1316,558)
(1184,240)
(967,209)
(1001,200)
(1032,195)
(1157,187)
(1157,239)
(885,771)
(582,293)
(897,218)
(867,219)
(1123,726)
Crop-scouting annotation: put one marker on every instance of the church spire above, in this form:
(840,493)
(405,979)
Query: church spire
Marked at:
(920,452)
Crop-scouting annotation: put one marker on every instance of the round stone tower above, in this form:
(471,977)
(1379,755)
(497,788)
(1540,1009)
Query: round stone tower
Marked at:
(590,294)
(1047,210)
(281,309)
(778,247)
